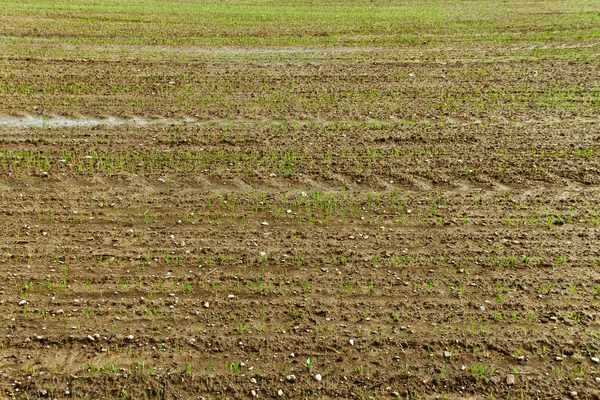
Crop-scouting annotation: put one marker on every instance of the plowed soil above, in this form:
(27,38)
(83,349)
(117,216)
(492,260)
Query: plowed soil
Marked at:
(320,214)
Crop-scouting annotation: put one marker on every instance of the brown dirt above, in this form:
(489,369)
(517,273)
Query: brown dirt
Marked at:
(400,241)
(367,210)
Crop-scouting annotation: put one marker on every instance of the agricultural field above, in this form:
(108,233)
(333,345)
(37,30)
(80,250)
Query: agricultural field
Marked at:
(296,199)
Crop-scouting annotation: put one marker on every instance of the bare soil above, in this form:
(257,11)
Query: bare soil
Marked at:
(372,264)
(415,221)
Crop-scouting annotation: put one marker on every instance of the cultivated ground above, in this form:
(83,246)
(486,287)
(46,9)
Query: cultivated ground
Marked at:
(354,199)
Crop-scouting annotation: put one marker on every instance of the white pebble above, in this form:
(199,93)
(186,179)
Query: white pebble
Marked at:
(510,379)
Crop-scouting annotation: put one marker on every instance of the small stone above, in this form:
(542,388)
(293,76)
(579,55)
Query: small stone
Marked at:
(91,338)
(264,223)
(510,379)
(291,378)
(22,302)
(573,394)
(254,394)
(130,337)
(206,305)
(60,311)
(462,368)
(482,308)
(447,354)
(318,377)
(595,359)
(231,296)
(598,379)
(351,341)
(558,358)
(253,380)
(280,392)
